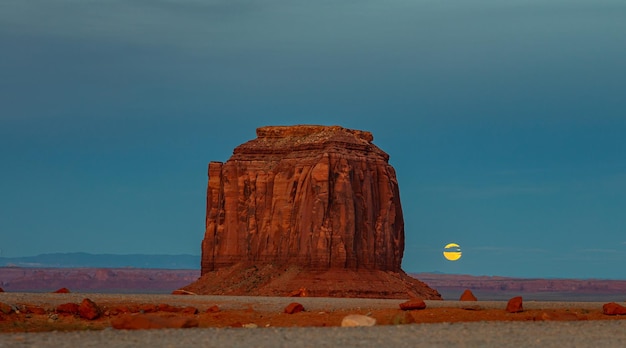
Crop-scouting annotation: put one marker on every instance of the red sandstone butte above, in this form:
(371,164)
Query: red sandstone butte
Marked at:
(515,305)
(467,295)
(315,207)
(61,291)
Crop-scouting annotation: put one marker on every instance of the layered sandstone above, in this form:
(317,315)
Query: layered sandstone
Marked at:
(320,198)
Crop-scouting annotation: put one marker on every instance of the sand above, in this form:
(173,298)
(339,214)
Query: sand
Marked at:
(318,323)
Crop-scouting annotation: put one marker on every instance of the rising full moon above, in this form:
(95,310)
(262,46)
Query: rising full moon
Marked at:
(452,252)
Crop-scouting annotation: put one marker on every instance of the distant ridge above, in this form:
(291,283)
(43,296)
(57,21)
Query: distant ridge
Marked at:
(82,260)
(450,286)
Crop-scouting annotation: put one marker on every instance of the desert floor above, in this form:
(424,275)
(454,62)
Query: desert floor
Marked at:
(36,312)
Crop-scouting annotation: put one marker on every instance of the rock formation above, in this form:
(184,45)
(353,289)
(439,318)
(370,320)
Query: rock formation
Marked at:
(318,198)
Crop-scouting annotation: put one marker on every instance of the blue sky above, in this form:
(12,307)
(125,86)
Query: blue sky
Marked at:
(505,120)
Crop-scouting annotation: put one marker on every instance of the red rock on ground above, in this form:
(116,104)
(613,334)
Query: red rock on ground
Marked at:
(412,304)
(152,321)
(213,309)
(299,293)
(515,305)
(190,310)
(308,201)
(613,308)
(1,290)
(67,308)
(293,308)
(34,309)
(182,292)
(164,307)
(89,310)
(62,291)
(148,308)
(123,309)
(467,295)
(5,308)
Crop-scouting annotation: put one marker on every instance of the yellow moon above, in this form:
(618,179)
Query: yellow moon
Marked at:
(452,252)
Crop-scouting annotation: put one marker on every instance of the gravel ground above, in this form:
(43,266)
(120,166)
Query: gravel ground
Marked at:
(481,334)
(263,303)
(476,334)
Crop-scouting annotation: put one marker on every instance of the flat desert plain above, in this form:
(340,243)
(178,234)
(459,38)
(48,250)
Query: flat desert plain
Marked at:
(36,312)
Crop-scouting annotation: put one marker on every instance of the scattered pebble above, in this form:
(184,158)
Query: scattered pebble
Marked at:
(302,292)
(293,308)
(190,310)
(213,309)
(5,308)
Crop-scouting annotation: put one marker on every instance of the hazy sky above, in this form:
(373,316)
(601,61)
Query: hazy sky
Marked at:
(505,120)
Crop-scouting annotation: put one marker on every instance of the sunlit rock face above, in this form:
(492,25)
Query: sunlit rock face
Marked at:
(320,197)
(309,210)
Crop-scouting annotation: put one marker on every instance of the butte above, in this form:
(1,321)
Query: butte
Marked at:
(308,211)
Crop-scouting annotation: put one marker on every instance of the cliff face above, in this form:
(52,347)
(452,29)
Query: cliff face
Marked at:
(310,209)
(314,196)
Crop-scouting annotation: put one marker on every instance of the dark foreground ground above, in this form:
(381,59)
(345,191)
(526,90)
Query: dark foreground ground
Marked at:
(473,334)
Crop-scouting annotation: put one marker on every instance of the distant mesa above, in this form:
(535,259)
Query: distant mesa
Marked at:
(313,207)
(80,260)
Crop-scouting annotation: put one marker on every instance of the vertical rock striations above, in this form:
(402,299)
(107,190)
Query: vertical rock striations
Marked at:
(320,198)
